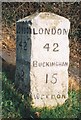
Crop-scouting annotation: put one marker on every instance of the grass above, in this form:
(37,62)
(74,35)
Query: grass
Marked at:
(17,105)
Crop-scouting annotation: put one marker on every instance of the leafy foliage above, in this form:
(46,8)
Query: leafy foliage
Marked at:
(14,104)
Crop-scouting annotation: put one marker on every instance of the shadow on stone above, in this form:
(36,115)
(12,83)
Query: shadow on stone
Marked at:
(23,56)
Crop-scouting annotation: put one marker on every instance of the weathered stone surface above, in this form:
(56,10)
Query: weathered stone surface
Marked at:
(43,58)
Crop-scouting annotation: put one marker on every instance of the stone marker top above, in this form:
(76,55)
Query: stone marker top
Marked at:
(46,17)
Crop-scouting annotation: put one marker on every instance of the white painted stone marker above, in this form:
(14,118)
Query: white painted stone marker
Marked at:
(43,58)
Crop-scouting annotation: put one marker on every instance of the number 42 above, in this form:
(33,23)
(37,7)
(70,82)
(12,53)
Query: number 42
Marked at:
(55,47)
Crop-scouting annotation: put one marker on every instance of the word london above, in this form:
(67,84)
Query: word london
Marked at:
(47,31)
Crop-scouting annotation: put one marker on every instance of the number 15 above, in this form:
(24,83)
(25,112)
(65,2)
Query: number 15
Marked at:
(53,78)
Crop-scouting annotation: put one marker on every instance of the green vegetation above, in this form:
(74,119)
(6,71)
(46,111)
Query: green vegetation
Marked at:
(17,105)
